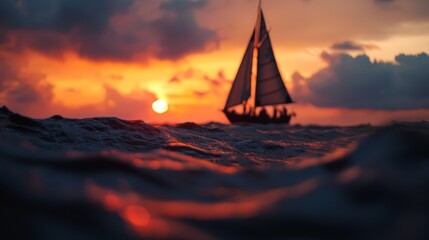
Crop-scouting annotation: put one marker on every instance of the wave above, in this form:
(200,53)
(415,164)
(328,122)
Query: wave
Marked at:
(116,179)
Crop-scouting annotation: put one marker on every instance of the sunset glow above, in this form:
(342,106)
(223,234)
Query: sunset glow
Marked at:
(188,54)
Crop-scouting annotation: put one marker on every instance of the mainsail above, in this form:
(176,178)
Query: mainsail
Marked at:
(241,87)
(270,89)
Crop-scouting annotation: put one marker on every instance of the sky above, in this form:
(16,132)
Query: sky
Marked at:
(344,62)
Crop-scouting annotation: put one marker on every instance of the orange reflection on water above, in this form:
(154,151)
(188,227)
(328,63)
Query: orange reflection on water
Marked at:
(349,174)
(112,202)
(151,217)
(162,159)
(336,155)
(136,215)
(246,205)
(124,205)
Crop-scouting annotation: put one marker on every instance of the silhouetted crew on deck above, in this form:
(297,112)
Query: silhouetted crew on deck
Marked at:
(252,111)
(244,107)
(283,114)
(263,114)
(284,111)
(276,111)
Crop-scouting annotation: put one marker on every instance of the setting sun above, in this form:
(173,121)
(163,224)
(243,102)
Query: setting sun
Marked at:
(160,106)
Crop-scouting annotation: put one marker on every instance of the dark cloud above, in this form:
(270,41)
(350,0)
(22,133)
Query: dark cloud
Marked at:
(299,85)
(183,75)
(200,93)
(59,15)
(352,46)
(359,83)
(22,90)
(104,29)
(180,33)
(4,39)
(52,26)
(25,93)
(214,83)
(175,79)
(7,74)
(217,81)
(296,77)
(383,1)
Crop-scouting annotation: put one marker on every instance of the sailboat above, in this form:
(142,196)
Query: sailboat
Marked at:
(269,90)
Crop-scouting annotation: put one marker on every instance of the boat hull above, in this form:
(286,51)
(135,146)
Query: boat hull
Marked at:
(238,118)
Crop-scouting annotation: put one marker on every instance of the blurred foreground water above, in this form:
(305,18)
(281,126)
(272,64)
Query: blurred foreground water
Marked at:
(106,178)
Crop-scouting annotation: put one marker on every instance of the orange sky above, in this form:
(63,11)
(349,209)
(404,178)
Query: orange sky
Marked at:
(75,81)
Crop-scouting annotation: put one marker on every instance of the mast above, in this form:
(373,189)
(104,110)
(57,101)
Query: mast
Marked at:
(256,42)
(258,25)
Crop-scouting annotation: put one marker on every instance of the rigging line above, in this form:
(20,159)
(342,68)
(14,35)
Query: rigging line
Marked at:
(271,93)
(258,26)
(263,39)
(267,62)
(270,78)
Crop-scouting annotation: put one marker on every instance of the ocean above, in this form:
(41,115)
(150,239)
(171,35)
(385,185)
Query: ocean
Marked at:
(107,178)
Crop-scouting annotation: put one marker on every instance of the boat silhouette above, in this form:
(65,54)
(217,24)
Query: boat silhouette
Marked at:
(269,90)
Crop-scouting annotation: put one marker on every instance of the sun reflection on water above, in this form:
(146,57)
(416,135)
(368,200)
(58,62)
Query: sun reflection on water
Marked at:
(136,215)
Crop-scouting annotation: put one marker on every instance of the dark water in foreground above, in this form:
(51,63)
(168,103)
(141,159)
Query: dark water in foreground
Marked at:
(105,178)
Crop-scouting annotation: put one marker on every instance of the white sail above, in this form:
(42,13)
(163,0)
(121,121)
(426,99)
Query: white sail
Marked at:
(241,87)
(270,89)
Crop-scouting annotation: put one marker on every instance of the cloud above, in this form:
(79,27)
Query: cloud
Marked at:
(174,79)
(25,93)
(180,33)
(200,94)
(217,81)
(197,83)
(60,15)
(105,29)
(183,75)
(135,105)
(359,83)
(19,88)
(29,93)
(353,46)
(383,1)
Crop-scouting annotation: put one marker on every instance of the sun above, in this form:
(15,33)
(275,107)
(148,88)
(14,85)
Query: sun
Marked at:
(160,106)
